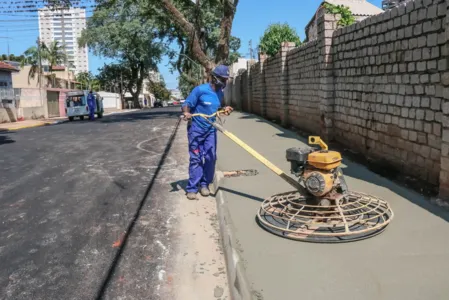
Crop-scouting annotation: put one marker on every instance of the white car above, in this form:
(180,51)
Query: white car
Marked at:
(182,101)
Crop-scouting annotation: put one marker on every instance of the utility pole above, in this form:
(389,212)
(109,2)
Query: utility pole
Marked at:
(251,54)
(7,40)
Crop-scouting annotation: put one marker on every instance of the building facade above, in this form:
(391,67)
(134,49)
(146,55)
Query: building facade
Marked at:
(66,28)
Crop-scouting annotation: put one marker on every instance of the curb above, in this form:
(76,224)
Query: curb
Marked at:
(30,126)
(239,286)
(59,122)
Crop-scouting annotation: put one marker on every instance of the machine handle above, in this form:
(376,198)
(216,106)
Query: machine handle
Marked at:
(316,140)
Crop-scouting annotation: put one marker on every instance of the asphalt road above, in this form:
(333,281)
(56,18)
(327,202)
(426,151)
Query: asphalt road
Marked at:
(69,195)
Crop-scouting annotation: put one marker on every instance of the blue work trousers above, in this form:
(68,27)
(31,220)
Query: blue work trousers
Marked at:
(203,154)
(91,111)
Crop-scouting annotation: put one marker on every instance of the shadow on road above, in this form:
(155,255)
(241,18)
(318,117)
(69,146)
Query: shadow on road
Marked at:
(359,167)
(5,138)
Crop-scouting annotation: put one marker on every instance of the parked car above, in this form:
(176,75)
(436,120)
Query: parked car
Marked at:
(182,101)
(158,103)
(170,103)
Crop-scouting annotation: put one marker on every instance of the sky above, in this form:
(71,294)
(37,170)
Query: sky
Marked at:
(251,20)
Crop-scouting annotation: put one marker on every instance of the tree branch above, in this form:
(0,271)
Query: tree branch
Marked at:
(189,29)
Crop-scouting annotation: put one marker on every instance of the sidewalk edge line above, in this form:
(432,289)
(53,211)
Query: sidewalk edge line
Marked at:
(239,286)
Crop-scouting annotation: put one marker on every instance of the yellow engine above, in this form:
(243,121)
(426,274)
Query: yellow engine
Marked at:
(318,169)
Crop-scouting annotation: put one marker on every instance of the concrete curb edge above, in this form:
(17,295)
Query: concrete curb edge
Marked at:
(239,286)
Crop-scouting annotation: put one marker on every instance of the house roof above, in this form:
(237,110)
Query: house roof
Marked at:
(58,68)
(7,67)
(358,7)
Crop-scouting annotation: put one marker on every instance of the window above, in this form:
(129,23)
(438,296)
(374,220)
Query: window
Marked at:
(3,84)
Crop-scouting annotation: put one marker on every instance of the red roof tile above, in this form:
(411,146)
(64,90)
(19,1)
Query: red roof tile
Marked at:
(7,67)
(58,68)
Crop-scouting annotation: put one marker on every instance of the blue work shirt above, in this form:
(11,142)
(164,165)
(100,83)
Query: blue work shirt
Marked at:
(91,100)
(204,100)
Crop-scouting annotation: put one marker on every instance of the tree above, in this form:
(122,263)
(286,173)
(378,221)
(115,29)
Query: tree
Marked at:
(275,35)
(113,75)
(12,57)
(159,90)
(85,79)
(31,57)
(120,30)
(54,55)
(201,29)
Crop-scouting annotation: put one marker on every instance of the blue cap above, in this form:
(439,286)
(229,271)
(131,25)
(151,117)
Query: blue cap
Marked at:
(221,71)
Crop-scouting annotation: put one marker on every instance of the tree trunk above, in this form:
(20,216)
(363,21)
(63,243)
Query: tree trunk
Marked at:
(222,53)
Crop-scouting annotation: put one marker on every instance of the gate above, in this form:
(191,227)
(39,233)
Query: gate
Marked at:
(53,104)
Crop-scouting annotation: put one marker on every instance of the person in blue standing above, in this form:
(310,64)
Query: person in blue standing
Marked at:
(206,99)
(91,105)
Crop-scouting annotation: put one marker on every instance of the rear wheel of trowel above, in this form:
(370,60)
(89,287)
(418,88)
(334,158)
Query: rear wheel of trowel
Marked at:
(292,216)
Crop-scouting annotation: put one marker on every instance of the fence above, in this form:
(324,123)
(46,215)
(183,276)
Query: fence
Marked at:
(380,87)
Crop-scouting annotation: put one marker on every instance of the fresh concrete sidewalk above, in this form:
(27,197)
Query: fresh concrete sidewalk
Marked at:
(408,261)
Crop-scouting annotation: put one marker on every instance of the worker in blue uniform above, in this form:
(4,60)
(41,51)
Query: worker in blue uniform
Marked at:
(205,99)
(91,105)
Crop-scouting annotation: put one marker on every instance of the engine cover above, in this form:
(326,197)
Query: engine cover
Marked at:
(298,158)
(318,183)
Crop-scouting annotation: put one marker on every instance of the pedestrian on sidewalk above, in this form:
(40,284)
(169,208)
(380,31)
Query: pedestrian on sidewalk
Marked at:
(207,99)
(91,105)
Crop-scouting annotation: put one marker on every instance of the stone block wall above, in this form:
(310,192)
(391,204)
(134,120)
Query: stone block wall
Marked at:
(304,83)
(380,86)
(244,90)
(388,93)
(273,87)
(257,89)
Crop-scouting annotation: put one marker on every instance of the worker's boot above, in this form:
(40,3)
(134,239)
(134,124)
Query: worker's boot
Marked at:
(191,196)
(204,191)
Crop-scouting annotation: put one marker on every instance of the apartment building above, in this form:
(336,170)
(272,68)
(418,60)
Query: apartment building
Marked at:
(65,26)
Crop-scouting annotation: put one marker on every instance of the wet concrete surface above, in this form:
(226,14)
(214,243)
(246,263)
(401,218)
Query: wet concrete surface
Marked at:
(407,261)
(68,193)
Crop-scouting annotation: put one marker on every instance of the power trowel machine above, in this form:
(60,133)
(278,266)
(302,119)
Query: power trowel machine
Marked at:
(321,209)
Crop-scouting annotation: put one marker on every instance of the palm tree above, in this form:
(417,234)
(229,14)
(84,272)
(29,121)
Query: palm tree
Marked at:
(55,55)
(31,57)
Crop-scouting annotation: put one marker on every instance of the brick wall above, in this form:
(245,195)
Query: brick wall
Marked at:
(273,87)
(303,84)
(257,88)
(244,90)
(388,94)
(380,86)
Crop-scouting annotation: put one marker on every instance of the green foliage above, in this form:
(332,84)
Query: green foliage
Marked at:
(116,77)
(120,30)
(275,35)
(347,18)
(31,57)
(86,80)
(159,90)
(54,54)
(185,86)
(12,57)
